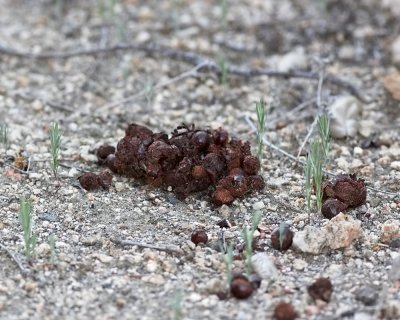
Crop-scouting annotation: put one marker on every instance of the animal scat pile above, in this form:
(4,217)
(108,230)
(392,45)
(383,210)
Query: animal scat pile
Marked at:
(191,160)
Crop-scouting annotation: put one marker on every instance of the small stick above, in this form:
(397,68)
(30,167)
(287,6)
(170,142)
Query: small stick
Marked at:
(167,248)
(309,133)
(16,260)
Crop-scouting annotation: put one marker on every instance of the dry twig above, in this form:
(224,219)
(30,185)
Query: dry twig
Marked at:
(166,248)
(16,260)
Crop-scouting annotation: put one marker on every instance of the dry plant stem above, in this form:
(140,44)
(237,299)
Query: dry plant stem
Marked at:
(292,157)
(289,115)
(190,58)
(16,260)
(167,248)
(319,106)
(309,133)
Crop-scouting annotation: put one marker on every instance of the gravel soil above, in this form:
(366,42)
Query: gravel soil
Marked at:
(95,96)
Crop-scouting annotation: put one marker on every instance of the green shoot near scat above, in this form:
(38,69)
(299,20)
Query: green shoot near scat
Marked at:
(247,235)
(316,159)
(52,245)
(261,111)
(4,136)
(228,259)
(25,216)
(55,140)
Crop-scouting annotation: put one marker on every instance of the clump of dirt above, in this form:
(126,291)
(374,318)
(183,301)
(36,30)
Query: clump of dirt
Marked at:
(191,160)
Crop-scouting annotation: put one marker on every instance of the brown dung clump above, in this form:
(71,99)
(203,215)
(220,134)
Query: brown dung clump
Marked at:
(190,160)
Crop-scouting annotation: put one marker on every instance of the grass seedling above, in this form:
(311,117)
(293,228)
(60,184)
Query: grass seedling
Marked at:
(323,125)
(178,305)
(25,216)
(107,8)
(228,259)
(52,244)
(223,66)
(316,159)
(55,140)
(149,91)
(260,110)
(247,235)
(223,4)
(4,136)
(308,185)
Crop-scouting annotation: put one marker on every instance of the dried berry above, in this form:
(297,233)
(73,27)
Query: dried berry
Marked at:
(251,165)
(332,207)
(241,288)
(138,131)
(285,311)
(110,163)
(201,140)
(235,184)
(105,179)
(199,236)
(91,181)
(221,137)
(256,183)
(321,289)
(348,189)
(282,237)
(103,152)
(222,196)
(199,173)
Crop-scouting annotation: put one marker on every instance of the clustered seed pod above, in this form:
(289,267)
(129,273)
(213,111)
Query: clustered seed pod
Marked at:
(91,181)
(285,311)
(241,287)
(347,189)
(321,289)
(281,237)
(345,192)
(199,236)
(190,160)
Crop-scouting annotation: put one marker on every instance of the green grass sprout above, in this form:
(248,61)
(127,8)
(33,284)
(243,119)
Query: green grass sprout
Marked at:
(55,140)
(25,215)
(228,259)
(323,125)
(247,235)
(223,4)
(52,244)
(4,136)
(223,66)
(316,159)
(178,305)
(261,111)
